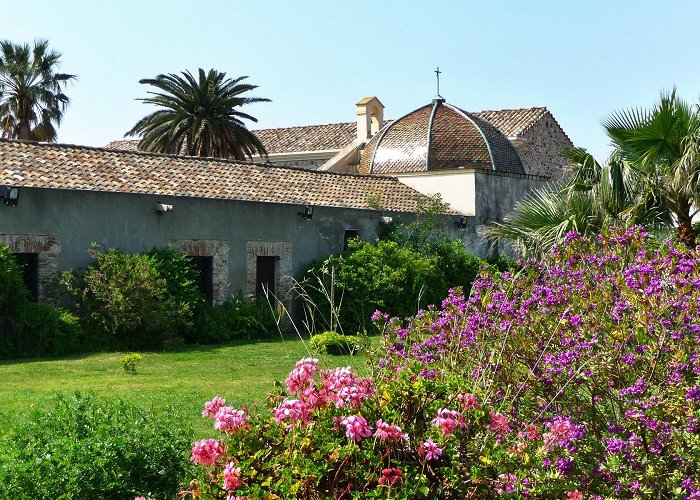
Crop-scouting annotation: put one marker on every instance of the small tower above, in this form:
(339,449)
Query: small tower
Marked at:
(370,117)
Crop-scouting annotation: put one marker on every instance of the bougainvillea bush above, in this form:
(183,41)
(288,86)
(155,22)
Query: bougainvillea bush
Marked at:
(577,377)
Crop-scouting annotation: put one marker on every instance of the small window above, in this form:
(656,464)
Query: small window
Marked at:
(349,234)
(205,269)
(29,262)
(265,276)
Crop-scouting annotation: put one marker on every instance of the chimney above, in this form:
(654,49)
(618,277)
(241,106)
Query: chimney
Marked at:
(370,117)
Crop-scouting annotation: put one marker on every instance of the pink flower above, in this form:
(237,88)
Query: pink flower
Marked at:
(574,495)
(229,420)
(294,411)
(506,484)
(468,401)
(356,427)
(499,423)
(391,476)
(448,420)
(211,407)
(232,477)
(140,498)
(207,451)
(389,432)
(430,450)
(301,377)
(345,387)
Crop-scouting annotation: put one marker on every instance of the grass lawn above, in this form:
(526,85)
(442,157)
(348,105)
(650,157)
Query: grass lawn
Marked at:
(179,381)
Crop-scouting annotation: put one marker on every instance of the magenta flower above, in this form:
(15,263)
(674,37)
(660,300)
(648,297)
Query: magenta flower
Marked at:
(229,420)
(499,424)
(356,427)
(232,477)
(211,407)
(301,377)
(207,451)
(430,450)
(391,476)
(448,420)
(388,432)
(468,401)
(293,411)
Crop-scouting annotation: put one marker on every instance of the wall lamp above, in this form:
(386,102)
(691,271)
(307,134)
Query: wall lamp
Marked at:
(10,194)
(163,207)
(461,222)
(306,211)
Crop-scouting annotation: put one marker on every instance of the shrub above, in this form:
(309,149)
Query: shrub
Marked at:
(125,299)
(180,277)
(338,345)
(237,319)
(85,447)
(342,291)
(45,330)
(13,292)
(129,363)
(577,377)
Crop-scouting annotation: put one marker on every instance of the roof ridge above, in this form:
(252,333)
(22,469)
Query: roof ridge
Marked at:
(186,158)
(303,126)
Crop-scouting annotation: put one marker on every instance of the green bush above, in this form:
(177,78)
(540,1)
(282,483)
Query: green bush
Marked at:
(85,447)
(45,330)
(180,277)
(342,291)
(125,299)
(129,363)
(338,345)
(237,319)
(13,292)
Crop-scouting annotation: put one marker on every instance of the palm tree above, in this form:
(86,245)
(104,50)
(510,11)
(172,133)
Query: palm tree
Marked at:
(662,145)
(32,101)
(199,117)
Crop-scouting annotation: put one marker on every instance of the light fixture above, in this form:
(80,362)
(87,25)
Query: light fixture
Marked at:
(461,222)
(386,220)
(10,194)
(163,207)
(306,211)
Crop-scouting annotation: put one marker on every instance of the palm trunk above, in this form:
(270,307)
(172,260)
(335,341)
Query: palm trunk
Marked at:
(686,233)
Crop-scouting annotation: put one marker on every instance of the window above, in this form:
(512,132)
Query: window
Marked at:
(265,276)
(204,267)
(349,234)
(29,262)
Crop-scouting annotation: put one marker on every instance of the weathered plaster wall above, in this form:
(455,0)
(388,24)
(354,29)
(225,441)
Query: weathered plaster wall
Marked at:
(63,224)
(497,194)
(540,149)
(310,164)
(455,187)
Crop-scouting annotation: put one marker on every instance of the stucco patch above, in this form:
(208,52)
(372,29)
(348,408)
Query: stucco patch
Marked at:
(47,247)
(218,250)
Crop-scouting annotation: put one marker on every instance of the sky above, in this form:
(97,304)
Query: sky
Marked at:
(316,59)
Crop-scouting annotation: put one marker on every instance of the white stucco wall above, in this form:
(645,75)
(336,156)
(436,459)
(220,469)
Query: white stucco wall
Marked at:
(455,187)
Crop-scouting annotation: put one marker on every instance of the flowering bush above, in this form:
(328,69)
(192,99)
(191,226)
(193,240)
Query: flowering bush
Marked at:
(577,377)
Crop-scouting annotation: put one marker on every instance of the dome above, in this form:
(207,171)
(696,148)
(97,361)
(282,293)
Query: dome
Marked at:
(439,136)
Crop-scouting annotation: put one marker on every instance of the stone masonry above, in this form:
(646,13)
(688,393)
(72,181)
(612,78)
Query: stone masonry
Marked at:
(540,146)
(47,248)
(219,251)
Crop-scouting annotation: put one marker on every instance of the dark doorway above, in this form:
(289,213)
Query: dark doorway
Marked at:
(29,262)
(204,267)
(349,235)
(265,276)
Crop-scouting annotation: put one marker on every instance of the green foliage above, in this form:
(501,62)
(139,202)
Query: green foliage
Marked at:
(85,447)
(342,291)
(199,116)
(45,330)
(237,319)
(32,101)
(180,277)
(126,300)
(338,345)
(13,292)
(130,362)
(503,263)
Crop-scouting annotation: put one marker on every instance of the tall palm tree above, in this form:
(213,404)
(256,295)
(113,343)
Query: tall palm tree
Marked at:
(199,117)
(32,101)
(662,145)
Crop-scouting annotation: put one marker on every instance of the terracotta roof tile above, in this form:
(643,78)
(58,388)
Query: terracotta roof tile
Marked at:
(57,166)
(513,122)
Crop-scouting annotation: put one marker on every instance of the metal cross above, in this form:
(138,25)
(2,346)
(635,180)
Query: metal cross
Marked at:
(437,74)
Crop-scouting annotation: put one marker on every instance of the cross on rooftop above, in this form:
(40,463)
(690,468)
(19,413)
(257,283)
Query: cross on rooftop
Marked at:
(437,75)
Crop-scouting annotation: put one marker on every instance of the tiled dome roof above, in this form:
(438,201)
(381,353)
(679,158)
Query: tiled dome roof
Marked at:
(439,136)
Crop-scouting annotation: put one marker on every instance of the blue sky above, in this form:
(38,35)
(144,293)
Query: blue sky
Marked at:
(315,59)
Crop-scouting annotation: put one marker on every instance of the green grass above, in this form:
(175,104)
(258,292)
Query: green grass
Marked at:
(179,381)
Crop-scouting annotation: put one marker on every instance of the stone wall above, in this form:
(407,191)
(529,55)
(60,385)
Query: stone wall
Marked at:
(47,249)
(540,148)
(309,164)
(216,249)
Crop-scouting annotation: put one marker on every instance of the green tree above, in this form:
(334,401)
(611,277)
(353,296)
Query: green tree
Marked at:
(199,116)
(662,146)
(32,101)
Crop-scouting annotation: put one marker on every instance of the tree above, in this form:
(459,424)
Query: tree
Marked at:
(199,117)
(32,101)
(662,145)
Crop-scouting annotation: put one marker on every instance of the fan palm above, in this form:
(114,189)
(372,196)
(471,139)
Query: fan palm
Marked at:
(662,145)
(32,101)
(199,116)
